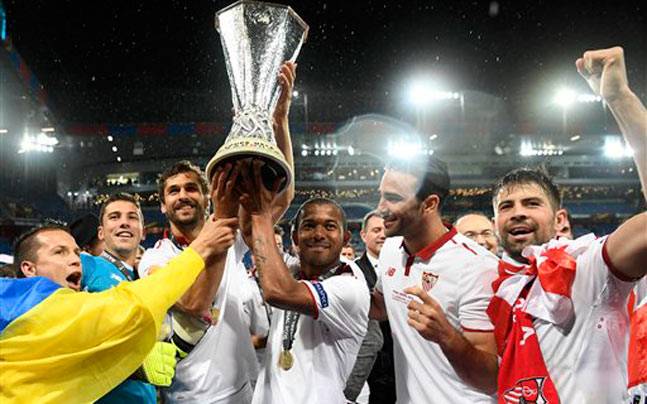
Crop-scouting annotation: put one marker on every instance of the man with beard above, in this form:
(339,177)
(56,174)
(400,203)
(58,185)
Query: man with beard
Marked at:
(564,338)
(220,362)
(61,346)
(434,287)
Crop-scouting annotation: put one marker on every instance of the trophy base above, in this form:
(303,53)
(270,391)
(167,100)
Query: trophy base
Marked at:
(270,171)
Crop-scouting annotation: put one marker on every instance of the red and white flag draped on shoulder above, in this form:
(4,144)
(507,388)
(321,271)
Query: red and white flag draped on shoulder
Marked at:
(518,300)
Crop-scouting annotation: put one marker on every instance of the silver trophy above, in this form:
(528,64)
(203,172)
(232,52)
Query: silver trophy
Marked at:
(257,38)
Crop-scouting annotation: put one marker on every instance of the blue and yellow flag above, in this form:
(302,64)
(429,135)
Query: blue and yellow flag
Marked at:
(58,345)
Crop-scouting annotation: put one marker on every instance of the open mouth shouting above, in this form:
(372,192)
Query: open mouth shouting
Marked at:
(74,280)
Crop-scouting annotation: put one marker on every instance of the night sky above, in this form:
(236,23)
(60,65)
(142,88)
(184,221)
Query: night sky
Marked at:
(161,61)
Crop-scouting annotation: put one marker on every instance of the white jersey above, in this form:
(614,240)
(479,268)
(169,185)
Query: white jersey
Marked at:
(221,367)
(458,274)
(325,346)
(587,361)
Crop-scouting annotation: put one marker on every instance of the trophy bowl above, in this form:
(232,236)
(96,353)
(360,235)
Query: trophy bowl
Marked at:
(257,38)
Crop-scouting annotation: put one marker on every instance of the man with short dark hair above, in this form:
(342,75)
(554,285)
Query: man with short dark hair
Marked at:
(348,252)
(564,338)
(62,346)
(480,228)
(121,226)
(320,318)
(434,287)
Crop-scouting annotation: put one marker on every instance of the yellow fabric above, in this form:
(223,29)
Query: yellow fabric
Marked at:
(75,347)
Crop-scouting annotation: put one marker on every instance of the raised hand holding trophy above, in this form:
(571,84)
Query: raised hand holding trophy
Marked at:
(257,38)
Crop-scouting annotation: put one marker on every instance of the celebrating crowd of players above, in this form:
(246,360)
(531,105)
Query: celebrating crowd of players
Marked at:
(509,310)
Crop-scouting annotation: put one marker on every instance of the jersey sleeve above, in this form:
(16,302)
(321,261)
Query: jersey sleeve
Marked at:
(475,294)
(153,258)
(596,280)
(342,303)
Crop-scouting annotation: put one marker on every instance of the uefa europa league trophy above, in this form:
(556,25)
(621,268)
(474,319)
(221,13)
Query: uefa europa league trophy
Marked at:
(257,38)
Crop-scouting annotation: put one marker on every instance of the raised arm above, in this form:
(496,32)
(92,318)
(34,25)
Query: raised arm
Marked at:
(280,289)
(198,299)
(606,74)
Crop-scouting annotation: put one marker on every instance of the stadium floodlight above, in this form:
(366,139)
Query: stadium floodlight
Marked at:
(424,92)
(114,149)
(403,149)
(575,138)
(39,143)
(304,152)
(351,151)
(3,130)
(295,94)
(526,149)
(615,148)
(565,97)
(48,129)
(110,138)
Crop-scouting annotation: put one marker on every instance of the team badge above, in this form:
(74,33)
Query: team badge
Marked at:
(391,271)
(429,280)
(526,391)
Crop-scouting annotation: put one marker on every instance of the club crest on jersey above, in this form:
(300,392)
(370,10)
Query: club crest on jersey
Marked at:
(429,280)
(526,391)
(391,271)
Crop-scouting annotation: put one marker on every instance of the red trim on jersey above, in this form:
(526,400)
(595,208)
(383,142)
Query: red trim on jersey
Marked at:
(314,301)
(612,268)
(475,330)
(426,253)
(469,249)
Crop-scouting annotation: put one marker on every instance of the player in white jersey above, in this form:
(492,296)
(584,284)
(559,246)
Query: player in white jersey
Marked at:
(319,319)
(221,362)
(579,324)
(434,287)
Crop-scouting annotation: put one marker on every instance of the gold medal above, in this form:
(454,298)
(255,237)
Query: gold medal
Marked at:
(286,360)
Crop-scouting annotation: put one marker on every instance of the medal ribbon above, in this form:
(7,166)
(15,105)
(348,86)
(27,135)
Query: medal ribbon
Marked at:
(292,317)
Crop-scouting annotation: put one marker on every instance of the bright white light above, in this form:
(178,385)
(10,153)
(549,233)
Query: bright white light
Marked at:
(575,138)
(3,130)
(119,159)
(114,149)
(615,148)
(526,149)
(565,97)
(295,94)
(304,147)
(304,152)
(39,143)
(424,92)
(403,149)
(351,151)
(433,137)
(49,129)
(110,138)
(316,152)
(334,152)
(588,98)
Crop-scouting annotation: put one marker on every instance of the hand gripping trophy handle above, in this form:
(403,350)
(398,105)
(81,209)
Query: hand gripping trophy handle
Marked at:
(257,38)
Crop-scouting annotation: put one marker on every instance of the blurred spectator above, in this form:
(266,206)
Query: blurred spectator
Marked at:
(85,233)
(348,252)
(480,228)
